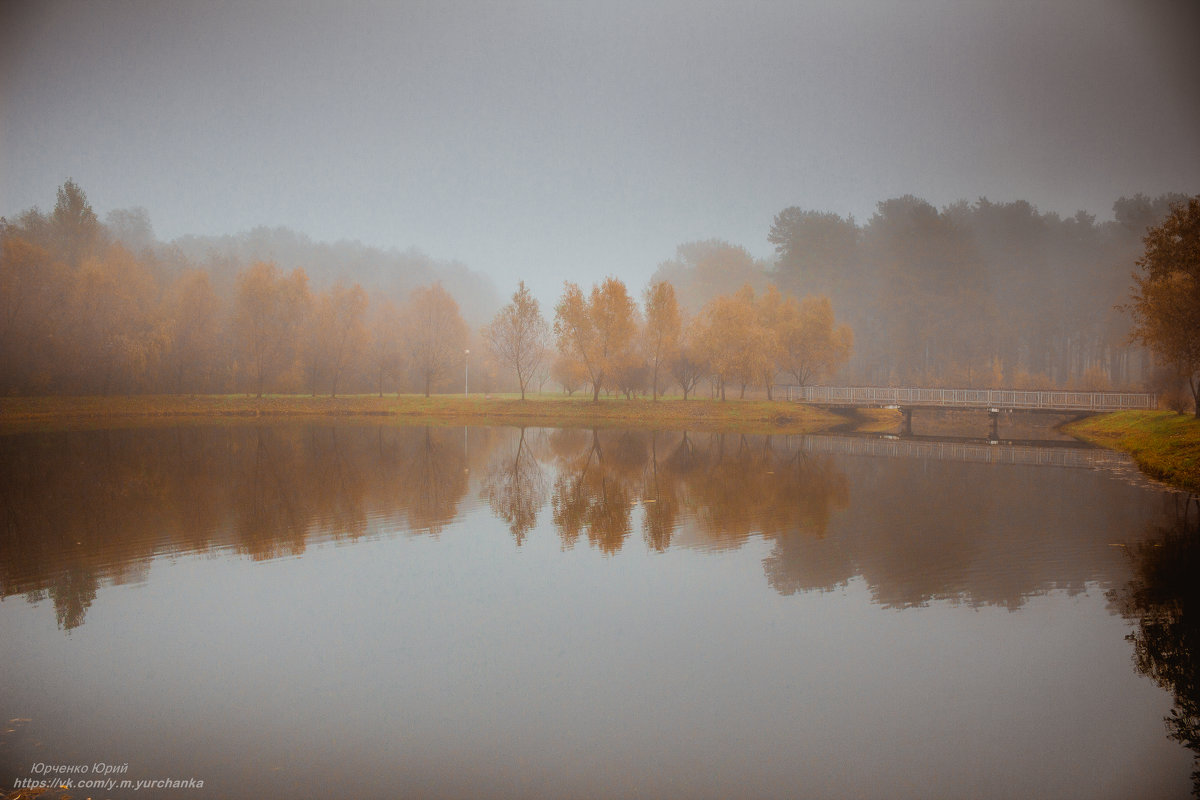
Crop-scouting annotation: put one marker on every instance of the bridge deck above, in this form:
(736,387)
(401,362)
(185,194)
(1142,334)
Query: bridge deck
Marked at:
(1051,400)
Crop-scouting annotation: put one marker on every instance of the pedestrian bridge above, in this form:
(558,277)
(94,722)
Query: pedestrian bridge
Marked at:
(990,399)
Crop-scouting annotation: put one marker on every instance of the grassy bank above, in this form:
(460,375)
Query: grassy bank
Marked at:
(1164,444)
(749,416)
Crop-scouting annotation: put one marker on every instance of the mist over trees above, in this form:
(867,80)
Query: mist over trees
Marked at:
(706,269)
(100,308)
(394,273)
(973,295)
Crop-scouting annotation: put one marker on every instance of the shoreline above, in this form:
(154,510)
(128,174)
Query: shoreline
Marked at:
(1164,444)
(736,416)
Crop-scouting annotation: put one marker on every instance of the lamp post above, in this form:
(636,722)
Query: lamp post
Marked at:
(466,372)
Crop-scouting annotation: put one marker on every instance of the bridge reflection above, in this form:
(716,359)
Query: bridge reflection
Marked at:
(964,449)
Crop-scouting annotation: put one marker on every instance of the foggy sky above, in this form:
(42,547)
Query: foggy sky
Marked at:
(580,139)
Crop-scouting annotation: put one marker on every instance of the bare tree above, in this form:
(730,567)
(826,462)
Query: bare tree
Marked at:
(519,337)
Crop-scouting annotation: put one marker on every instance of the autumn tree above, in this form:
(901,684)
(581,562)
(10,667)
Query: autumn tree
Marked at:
(630,375)
(436,335)
(193,314)
(345,310)
(33,287)
(774,311)
(688,364)
(267,309)
(569,373)
(662,330)
(519,337)
(736,345)
(115,330)
(1166,293)
(311,351)
(335,335)
(599,331)
(385,349)
(811,345)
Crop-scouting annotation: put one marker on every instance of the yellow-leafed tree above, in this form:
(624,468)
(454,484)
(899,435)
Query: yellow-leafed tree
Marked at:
(1166,293)
(599,332)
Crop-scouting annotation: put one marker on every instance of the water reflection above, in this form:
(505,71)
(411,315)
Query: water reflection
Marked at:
(515,484)
(474,625)
(1164,599)
(84,508)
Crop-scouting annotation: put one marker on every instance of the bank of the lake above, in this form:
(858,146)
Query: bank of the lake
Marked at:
(1166,445)
(743,416)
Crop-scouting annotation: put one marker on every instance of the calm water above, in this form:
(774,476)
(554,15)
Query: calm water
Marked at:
(337,611)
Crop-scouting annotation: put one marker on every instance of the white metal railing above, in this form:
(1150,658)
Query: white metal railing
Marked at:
(1050,400)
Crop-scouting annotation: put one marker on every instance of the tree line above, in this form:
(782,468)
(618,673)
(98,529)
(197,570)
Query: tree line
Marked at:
(85,311)
(741,340)
(984,294)
(977,294)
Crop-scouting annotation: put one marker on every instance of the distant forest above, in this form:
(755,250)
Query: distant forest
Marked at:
(976,295)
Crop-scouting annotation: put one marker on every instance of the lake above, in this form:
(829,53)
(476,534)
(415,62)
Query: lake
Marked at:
(337,610)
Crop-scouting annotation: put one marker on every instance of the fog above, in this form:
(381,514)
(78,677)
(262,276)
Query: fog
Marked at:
(543,141)
(968,184)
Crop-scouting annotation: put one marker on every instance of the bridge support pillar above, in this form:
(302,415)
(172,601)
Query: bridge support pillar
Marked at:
(906,425)
(994,417)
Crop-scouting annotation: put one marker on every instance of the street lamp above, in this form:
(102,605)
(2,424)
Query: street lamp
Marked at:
(466,372)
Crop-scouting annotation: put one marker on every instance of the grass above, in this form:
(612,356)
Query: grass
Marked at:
(745,416)
(1166,445)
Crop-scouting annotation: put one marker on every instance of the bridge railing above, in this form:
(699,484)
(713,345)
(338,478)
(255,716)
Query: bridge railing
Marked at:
(971,398)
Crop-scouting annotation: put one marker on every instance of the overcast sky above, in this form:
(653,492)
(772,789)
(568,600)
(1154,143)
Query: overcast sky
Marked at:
(579,139)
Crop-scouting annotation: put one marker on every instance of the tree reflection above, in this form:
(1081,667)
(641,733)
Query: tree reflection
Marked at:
(1164,598)
(664,487)
(73,591)
(432,478)
(724,487)
(81,509)
(591,494)
(270,513)
(515,486)
(59,507)
(763,485)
